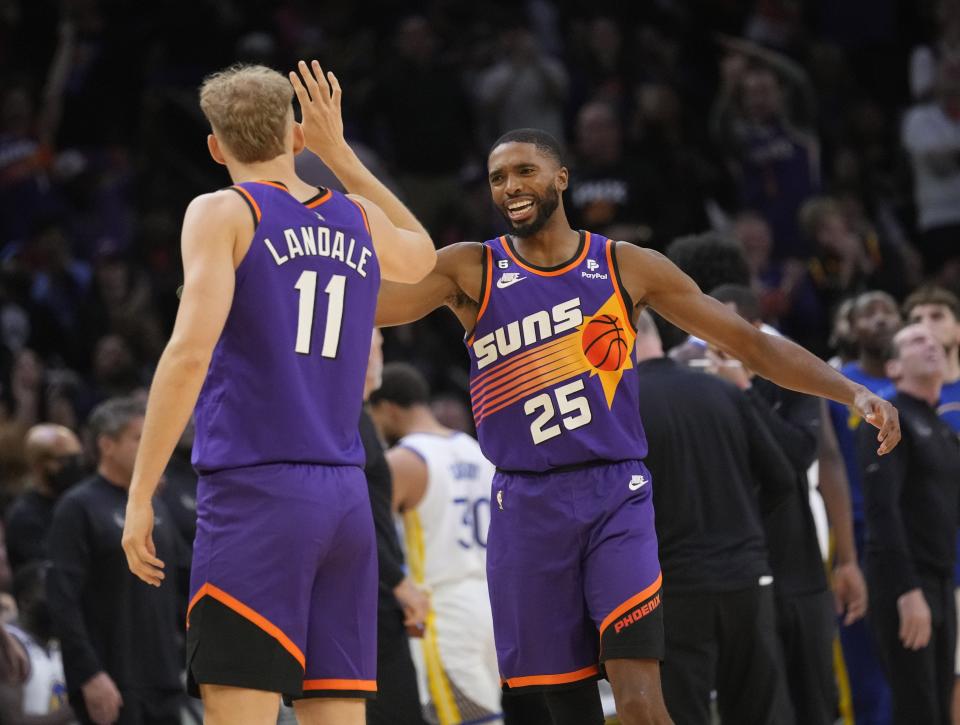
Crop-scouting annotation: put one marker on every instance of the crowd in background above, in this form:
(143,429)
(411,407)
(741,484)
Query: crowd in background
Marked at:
(821,139)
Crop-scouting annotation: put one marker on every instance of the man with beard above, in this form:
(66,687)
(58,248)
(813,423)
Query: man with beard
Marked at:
(911,500)
(874,319)
(572,552)
(55,459)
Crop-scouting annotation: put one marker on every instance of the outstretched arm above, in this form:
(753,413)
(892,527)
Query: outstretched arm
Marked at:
(454,282)
(404,248)
(210,230)
(653,280)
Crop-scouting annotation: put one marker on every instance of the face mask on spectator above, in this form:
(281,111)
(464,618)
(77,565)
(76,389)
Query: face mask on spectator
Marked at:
(70,472)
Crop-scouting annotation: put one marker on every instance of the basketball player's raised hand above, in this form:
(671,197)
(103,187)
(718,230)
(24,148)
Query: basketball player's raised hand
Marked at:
(319,96)
(138,543)
(881,414)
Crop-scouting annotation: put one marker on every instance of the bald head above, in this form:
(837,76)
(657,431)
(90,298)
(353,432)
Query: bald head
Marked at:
(49,440)
(54,455)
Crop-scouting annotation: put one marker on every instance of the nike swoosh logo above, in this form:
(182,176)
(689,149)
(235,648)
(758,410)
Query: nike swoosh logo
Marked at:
(501,283)
(636,482)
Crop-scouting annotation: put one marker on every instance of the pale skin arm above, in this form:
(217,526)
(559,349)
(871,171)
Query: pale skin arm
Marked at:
(410,475)
(404,248)
(211,227)
(651,279)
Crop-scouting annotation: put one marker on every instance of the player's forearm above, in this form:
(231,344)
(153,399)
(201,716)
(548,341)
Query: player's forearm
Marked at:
(358,179)
(173,395)
(791,366)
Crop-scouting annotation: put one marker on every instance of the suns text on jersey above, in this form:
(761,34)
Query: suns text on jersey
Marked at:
(321,242)
(525,332)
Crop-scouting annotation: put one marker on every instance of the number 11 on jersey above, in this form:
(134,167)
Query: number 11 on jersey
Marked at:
(335,289)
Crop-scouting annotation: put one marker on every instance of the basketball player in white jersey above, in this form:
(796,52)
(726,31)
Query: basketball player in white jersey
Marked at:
(441,486)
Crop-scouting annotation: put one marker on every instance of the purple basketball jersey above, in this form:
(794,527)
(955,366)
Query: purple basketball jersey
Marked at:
(552,380)
(285,383)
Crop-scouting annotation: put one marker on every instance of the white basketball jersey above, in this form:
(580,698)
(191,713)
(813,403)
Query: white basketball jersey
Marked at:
(45,691)
(447,531)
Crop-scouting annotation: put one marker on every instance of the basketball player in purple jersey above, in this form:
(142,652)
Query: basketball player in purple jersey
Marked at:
(575,584)
(271,343)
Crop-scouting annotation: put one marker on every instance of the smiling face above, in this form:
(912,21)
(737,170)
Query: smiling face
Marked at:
(525,184)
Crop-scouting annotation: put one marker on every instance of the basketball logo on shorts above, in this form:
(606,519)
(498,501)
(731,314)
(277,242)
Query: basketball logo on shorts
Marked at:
(604,343)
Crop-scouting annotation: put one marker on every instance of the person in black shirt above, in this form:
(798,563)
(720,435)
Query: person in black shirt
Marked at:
(912,497)
(708,452)
(120,637)
(55,459)
(805,607)
(402,605)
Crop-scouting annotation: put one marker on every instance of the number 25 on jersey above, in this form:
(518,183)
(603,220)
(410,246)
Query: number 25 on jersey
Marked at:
(574,411)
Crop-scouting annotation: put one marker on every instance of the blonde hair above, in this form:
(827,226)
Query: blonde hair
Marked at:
(248,107)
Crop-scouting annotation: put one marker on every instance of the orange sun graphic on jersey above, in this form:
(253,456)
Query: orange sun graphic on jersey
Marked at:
(606,340)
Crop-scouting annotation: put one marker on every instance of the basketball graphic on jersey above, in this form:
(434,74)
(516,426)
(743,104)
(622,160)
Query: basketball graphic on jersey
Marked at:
(604,342)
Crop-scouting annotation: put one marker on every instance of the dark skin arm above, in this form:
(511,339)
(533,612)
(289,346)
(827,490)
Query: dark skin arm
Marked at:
(651,279)
(455,281)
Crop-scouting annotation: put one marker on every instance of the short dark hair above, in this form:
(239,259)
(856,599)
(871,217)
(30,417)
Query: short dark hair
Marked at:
(545,143)
(403,385)
(710,259)
(932,295)
(746,300)
(113,415)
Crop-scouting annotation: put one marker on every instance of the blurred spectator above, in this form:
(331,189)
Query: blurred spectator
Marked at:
(926,58)
(874,319)
(680,187)
(60,281)
(842,340)
(721,629)
(788,299)
(105,618)
(55,460)
(121,303)
(114,373)
(775,161)
(600,66)
(45,691)
(931,135)
(605,194)
(839,263)
(413,82)
(526,89)
(912,502)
